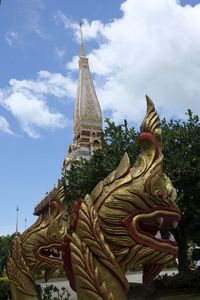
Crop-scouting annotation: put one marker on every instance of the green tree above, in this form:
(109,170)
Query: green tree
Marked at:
(181,148)
(5,245)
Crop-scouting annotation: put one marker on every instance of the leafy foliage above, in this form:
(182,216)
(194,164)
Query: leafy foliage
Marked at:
(179,281)
(196,254)
(5,245)
(52,292)
(182,164)
(5,292)
(175,286)
(181,148)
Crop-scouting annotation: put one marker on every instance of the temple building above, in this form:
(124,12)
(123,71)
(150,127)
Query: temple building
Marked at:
(87,115)
(87,125)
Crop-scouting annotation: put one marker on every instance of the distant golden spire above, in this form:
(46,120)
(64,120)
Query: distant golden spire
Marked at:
(17,215)
(82,49)
(25,222)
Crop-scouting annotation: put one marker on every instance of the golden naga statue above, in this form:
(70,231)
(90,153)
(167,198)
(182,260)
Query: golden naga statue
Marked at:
(38,248)
(125,222)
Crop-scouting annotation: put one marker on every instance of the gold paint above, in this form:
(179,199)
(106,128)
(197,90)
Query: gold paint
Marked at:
(93,260)
(109,189)
(123,167)
(108,180)
(151,121)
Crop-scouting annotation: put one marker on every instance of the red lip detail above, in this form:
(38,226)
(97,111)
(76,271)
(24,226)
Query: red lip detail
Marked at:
(152,228)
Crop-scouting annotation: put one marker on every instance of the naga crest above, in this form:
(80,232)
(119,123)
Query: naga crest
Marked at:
(125,221)
(39,248)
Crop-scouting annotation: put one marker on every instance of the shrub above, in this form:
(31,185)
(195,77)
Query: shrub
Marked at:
(188,280)
(5,292)
(196,254)
(51,292)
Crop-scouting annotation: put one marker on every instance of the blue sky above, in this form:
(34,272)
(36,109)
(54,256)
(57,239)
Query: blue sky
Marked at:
(135,47)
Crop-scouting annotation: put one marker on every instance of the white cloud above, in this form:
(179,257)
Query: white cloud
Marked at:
(59,53)
(5,126)
(152,49)
(46,83)
(12,38)
(32,113)
(27,101)
(91,30)
(60,18)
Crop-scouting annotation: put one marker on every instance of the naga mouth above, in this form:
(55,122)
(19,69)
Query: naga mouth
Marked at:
(159,228)
(153,228)
(51,253)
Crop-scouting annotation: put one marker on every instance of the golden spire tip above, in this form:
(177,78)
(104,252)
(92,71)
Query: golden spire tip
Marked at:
(17,212)
(82,49)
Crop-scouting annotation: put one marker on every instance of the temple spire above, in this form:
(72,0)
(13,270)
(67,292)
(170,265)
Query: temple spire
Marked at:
(25,223)
(87,115)
(17,221)
(82,49)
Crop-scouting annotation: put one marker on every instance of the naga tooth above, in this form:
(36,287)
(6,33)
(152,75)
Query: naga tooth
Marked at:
(172,238)
(158,235)
(174,224)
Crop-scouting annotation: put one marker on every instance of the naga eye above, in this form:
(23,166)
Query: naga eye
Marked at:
(160,195)
(54,235)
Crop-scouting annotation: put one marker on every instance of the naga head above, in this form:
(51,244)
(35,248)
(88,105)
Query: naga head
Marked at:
(42,242)
(39,248)
(136,206)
